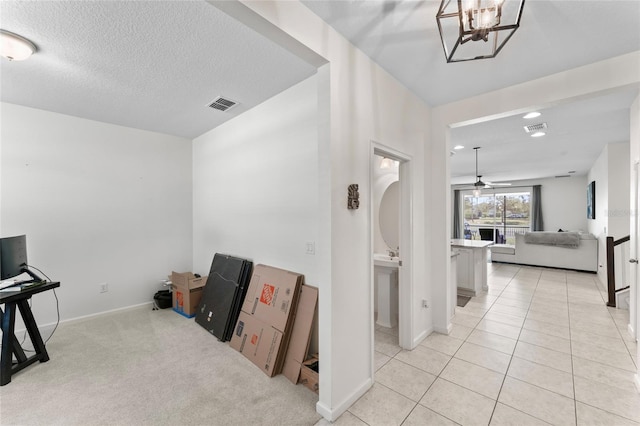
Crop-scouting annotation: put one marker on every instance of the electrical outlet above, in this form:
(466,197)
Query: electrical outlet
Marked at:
(311,247)
(104,287)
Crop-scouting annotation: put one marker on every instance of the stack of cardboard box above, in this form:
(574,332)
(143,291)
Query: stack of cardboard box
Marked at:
(266,320)
(274,326)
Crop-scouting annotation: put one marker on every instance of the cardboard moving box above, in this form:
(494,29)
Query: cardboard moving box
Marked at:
(187,291)
(272,296)
(300,333)
(309,374)
(268,312)
(257,341)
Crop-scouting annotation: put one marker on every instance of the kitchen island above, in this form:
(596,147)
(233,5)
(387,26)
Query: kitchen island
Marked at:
(471,265)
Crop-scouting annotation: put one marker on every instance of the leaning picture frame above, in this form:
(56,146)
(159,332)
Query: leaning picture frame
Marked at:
(591,200)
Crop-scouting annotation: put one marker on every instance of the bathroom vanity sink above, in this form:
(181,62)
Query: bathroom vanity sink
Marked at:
(383,260)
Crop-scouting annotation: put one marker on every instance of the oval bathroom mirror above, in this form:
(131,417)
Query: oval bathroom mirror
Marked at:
(389,216)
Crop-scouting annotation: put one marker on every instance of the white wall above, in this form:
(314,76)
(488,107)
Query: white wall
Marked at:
(365,105)
(612,177)
(599,173)
(599,226)
(564,203)
(617,211)
(255,185)
(99,204)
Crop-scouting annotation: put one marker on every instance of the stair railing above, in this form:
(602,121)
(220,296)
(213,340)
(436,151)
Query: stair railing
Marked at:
(611,269)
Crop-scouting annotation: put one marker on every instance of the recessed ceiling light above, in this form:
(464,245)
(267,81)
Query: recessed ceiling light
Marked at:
(15,47)
(538,134)
(533,114)
(458,147)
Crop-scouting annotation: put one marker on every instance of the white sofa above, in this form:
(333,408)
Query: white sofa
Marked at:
(584,257)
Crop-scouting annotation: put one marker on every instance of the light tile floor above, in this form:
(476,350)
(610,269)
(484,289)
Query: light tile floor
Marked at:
(539,347)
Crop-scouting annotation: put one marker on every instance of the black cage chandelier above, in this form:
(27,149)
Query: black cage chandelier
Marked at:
(477,29)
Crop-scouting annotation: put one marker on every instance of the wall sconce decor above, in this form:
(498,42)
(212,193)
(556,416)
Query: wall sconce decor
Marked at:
(353,200)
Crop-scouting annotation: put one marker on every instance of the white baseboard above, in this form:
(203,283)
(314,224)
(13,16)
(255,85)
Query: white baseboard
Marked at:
(48,327)
(420,337)
(332,414)
(110,311)
(443,330)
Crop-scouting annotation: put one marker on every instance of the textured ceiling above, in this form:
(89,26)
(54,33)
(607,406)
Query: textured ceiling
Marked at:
(151,65)
(155,65)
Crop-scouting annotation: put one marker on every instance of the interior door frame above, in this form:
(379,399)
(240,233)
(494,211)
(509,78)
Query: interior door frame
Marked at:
(634,272)
(405,272)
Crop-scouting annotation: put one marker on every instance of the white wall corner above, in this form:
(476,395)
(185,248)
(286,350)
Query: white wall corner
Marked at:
(443,330)
(420,337)
(333,414)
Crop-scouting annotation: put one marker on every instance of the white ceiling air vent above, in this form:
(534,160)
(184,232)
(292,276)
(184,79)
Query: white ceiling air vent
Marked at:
(222,104)
(535,127)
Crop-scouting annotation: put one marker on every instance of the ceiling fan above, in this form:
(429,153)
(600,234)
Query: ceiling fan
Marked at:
(479,184)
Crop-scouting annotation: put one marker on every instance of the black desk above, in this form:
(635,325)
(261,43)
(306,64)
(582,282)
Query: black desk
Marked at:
(10,344)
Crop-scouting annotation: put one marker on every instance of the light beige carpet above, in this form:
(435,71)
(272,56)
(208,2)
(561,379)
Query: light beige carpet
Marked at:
(138,367)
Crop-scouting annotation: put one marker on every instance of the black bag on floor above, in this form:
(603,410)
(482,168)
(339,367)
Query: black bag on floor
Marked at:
(163,299)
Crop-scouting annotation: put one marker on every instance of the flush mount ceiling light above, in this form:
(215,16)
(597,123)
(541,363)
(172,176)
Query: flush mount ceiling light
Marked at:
(477,29)
(15,47)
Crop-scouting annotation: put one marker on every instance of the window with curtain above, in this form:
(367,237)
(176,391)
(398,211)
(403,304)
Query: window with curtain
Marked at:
(498,215)
(537,223)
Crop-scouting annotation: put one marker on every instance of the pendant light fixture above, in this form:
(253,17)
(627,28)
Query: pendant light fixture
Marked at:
(15,47)
(477,29)
(479,183)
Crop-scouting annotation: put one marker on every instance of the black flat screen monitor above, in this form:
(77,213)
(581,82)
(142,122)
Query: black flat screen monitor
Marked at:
(13,256)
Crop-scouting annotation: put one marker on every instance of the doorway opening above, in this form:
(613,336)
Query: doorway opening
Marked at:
(391,255)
